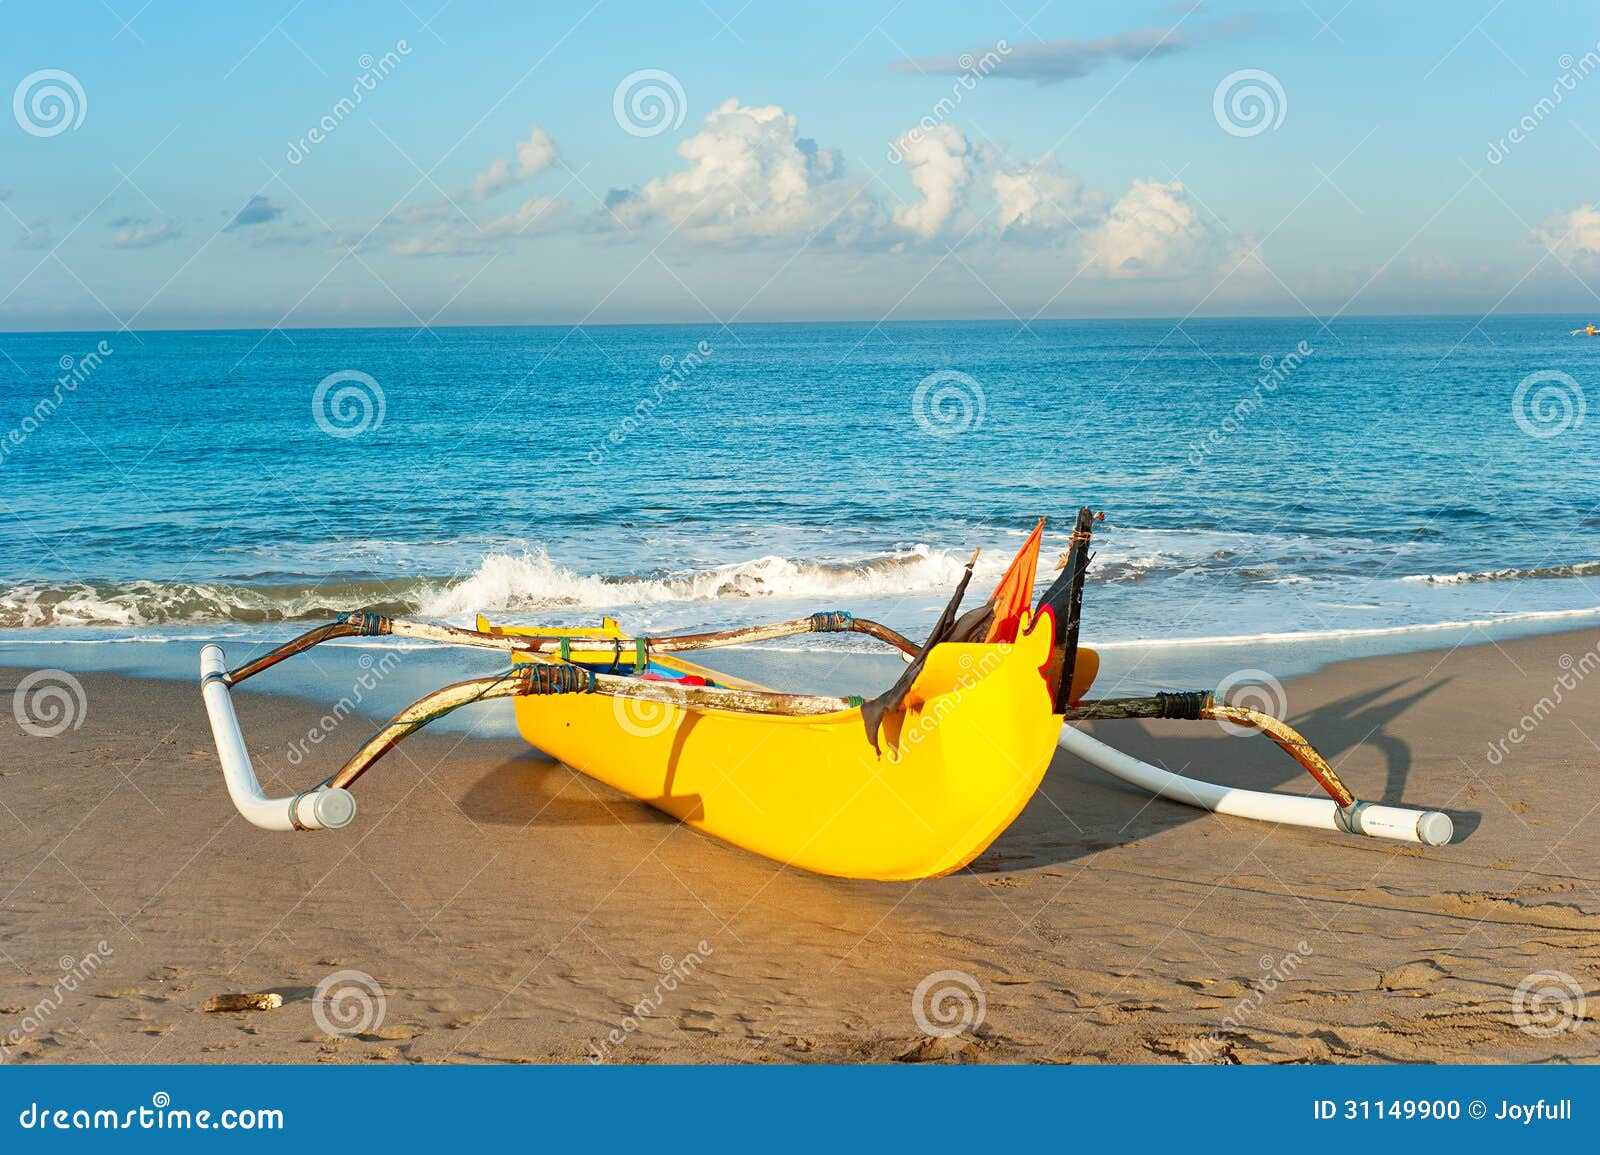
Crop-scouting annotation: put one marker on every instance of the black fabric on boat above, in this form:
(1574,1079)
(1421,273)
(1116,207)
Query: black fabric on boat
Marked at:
(873,710)
(1064,599)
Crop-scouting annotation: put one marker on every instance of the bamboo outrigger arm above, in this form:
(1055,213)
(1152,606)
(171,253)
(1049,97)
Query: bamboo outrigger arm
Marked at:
(364,625)
(1341,810)
(542,670)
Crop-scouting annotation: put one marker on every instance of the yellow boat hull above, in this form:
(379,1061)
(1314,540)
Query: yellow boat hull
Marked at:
(956,767)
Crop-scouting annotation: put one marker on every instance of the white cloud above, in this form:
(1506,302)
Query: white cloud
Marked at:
(536,214)
(533,156)
(750,177)
(1154,229)
(139,234)
(443,226)
(1573,235)
(939,163)
(1039,198)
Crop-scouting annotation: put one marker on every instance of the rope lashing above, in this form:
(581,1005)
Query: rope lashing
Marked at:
(832,622)
(552,679)
(1184,705)
(366,625)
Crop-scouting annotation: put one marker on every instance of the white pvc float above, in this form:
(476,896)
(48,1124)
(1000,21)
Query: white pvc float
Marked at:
(1429,827)
(316,809)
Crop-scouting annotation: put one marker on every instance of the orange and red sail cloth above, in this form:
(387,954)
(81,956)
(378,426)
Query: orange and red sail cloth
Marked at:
(1014,594)
(997,620)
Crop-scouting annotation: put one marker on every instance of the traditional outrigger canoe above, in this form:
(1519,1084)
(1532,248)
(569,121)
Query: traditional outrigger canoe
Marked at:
(914,783)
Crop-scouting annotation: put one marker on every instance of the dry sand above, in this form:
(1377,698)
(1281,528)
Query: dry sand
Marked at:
(513,911)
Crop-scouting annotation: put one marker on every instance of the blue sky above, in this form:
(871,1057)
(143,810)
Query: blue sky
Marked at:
(855,160)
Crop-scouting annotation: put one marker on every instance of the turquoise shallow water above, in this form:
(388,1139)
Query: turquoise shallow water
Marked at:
(1351,486)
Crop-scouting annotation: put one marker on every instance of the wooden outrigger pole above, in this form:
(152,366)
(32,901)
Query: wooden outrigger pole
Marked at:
(543,665)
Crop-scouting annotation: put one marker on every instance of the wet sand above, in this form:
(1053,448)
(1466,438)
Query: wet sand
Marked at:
(510,910)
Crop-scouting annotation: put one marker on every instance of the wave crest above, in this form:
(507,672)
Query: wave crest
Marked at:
(501,582)
(1511,573)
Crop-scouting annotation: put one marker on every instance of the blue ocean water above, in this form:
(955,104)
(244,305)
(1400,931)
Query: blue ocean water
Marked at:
(1365,478)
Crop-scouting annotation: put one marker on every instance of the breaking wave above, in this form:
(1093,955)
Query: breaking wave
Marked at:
(501,582)
(1577,569)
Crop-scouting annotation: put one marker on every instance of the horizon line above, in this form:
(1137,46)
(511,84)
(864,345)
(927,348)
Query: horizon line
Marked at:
(715,324)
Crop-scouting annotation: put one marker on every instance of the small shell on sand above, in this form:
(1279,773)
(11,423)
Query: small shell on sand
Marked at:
(249,1002)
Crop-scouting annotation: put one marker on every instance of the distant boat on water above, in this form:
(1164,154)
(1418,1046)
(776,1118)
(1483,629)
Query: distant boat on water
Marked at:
(1586,331)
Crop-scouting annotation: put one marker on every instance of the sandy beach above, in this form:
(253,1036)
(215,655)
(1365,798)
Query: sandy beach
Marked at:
(513,911)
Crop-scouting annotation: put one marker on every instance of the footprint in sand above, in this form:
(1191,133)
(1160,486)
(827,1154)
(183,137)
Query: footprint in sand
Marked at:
(1413,976)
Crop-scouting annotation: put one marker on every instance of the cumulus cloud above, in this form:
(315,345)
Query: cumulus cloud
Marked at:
(1037,198)
(259,210)
(939,165)
(750,177)
(1573,235)
(1153,229)
(533,156)
(136,233)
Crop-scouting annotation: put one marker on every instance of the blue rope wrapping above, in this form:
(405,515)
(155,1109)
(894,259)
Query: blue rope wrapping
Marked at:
(1348,818)
(832,622)
(547,679)
(368,625)
(1183,705)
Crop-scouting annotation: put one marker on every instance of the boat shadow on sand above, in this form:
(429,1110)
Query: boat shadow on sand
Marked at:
(534,789)
(1079,811)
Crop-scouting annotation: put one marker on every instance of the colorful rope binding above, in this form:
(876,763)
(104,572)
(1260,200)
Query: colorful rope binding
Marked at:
(832,622)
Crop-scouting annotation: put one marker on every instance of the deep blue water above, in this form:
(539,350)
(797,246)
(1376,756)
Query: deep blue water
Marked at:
(1258,476)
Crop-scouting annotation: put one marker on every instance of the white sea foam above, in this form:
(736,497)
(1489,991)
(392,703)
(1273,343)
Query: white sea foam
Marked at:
(1357,632)
(534,581)
(1511,573)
